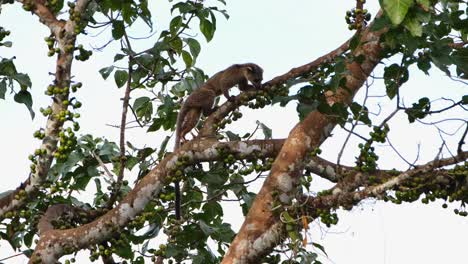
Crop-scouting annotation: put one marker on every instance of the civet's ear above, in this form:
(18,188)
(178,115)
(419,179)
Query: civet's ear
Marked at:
(249,68)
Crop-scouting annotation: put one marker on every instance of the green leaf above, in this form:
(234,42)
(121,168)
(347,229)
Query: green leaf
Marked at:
(143,107)
(28,252)
(7,67)
(120,77)
(223,233)
(23,80)
(118,29)
(194,46)
(105,72)
(7,44)
(212,210)
(232,136)
(396,10)
(175,24)
(177,45)
(320,247)
(187,58)
(207,28)
(163,146)
(379,23)
(24,97)
(266,130)
(424,64)
(360,112)
(465,99)
(81,181)
(118,57)
(305,109)
(123,250)
(460,58)
(3,87)
(394,77)
(413,25)
(207,230)
(108,148)
(145,14)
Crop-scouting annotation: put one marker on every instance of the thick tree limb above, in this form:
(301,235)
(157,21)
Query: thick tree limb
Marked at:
(209,127)
(55,243)
(262,230)
(45,15)
(348,199)
(65,36)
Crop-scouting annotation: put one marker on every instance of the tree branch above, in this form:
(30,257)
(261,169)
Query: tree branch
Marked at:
(261,230)
(65,36)
(348,199)
(209,127)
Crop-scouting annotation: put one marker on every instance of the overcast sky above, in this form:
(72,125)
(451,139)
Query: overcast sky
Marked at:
(277,35)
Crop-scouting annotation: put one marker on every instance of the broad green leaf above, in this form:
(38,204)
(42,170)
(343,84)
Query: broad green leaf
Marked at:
(207,28)
(143,107)
(266,130)
(28,237)
(413,25)
(212,210)
(305,109)
(187,58)
(7,44)
(175,24)
(24,97)
(208,230)
(118,57)
(163,146)
(194,46)
(28,252)
(396,10)
(145,14)
(232,136)
(120,77)
(123,250)
(460,58)
(105,72)
(424,64)
(320,247)
(223,233)
(465,99)
(177,45)
(81,181)
(108,148)
(22,79)
(7,67)
(118,29)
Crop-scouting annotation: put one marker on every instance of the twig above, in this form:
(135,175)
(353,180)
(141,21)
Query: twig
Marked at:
(398,153)
(12,256)
(123,123)
(462,140)
(340,154)
(108,173)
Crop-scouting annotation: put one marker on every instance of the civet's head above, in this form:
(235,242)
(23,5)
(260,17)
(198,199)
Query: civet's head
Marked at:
(254,74)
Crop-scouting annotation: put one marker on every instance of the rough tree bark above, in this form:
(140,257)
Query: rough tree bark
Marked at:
(262,230)
(65,36)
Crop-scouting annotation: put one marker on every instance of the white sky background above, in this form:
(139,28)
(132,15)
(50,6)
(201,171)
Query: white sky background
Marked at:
(277,35)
